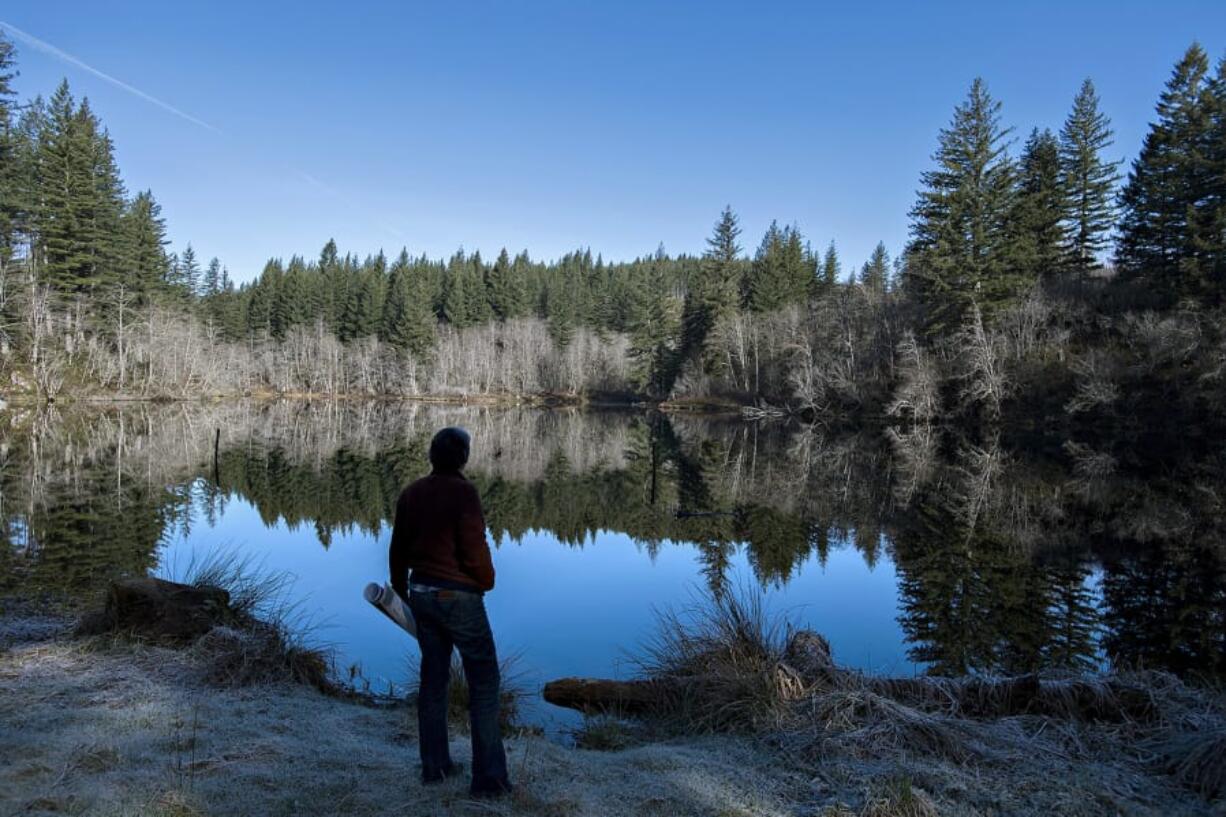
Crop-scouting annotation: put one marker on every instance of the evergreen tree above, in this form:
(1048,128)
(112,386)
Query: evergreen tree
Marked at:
(1215,204)
(654,324)
(960,248)
(66,187)
(188,277)
(147,266)
(1087,180)
(363,310)
(875,274)
(9,179)
(832,269)
(766,286)
(211,285)
(1039,240)
(799,266)
(455,292)
(1162,232)
(408,317)
(714,293)
(505,289)
(478,304)
(332,285)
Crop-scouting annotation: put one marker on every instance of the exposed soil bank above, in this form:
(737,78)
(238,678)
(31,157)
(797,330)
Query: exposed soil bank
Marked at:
(104,727)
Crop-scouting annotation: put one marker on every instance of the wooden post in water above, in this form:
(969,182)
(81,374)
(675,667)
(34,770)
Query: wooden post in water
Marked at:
(216,469)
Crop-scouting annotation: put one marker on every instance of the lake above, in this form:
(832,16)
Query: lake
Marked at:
(908,558)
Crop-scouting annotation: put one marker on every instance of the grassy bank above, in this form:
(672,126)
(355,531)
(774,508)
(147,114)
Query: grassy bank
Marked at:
(102,726)
(110,726)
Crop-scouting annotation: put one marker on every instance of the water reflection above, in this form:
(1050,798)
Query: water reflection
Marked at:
(997,561)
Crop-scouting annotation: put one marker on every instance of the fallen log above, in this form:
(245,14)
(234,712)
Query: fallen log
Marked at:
(605,695)
(807,669)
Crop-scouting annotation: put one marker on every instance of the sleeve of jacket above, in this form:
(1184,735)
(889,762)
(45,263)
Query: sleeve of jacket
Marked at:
(472,550)
(398,552)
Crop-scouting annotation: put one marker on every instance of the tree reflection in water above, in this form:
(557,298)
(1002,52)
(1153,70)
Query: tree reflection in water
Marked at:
(1007,562)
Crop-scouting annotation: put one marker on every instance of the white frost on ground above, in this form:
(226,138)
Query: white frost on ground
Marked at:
(125,731)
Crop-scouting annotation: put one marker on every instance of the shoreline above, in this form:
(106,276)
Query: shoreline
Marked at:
(109,726)
(542,400)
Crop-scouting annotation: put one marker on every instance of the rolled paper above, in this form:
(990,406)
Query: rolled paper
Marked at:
(385,600)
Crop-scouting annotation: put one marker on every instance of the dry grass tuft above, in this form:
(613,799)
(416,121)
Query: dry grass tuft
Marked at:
(605,733)
(271,641)
(511,692)
(1198,760)
(725,660)
(898,798)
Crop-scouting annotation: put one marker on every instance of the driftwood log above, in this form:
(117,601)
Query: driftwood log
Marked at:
(807,668)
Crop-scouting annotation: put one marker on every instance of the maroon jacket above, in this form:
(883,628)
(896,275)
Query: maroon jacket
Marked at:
(439,533)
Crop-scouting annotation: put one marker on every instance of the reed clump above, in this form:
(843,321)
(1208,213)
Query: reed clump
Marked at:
(727,665)
(267,638)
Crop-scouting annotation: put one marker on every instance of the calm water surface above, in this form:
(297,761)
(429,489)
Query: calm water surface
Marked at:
(973,564)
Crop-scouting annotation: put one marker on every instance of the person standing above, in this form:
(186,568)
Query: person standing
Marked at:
(439,535)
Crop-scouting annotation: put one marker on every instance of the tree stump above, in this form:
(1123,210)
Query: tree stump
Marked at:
(160,610)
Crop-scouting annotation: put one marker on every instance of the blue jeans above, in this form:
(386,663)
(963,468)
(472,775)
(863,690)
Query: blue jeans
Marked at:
(446,619)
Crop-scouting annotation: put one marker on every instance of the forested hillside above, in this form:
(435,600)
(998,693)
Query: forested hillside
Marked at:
(1041,281)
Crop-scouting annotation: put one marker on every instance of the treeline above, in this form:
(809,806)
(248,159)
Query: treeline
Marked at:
(1005,266)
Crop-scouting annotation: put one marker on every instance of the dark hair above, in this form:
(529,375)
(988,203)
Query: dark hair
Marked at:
(449,449)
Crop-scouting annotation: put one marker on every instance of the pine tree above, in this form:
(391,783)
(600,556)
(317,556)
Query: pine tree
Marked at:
(504,288)
(766,286)
(147,266)
(66,186)
(477,303)
(455,298)
(408,318)
(1164,200)
(721,269)
(1215,204)
(654,324)
(1088,180)
(9,179)
(1039,238)
(188,279)
(211,284)
(832,269)
(714,292)
(959,253)
(799,266)
(875,273)
(105,238)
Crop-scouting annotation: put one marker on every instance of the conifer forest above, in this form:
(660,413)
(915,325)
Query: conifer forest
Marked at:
(1042,282)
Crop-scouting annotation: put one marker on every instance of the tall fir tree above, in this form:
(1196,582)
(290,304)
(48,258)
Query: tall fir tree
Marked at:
(9,176)
(1039,236)
(799,266)
(65,189)
(408,318)
(832,268)
(504,288)
(188,279)
(875,274)
(455,299)
(211,283)
(147,267)
(1165,218)
(1088,181)
(766,286)
(960,249)
(714,293)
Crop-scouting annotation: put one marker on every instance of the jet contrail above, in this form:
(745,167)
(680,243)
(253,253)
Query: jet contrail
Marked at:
(60,54)
(48,48)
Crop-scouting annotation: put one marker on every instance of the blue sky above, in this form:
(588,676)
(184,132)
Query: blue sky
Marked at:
(548,126)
